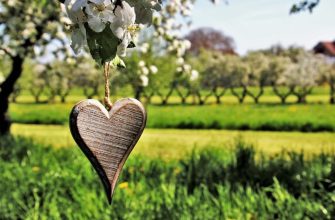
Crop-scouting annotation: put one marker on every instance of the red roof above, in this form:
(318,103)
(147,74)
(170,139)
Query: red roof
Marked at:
(325,47)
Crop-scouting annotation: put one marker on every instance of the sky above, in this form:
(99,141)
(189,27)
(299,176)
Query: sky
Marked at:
(258,24)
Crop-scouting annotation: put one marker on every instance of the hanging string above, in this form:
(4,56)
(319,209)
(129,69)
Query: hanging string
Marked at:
(107,101)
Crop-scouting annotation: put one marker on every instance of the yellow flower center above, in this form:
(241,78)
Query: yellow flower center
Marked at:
(133,29)
(100,7)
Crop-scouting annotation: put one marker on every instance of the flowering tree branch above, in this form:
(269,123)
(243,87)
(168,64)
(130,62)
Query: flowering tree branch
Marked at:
(7,51)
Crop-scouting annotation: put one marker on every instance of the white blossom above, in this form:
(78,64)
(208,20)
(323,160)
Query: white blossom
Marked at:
(78,38)
(123,26)
(78,18)
(194,75)
(99,13)
(144,48)
(145,71)
(74,10)
(141,63)
(145,80)
(153,69)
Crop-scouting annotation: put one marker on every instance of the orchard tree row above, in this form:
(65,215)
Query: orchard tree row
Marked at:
(288,72)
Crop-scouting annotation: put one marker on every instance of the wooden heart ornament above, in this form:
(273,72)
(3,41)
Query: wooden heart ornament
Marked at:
(107,138)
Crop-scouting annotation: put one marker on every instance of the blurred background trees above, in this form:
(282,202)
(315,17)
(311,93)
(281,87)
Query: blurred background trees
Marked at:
(211,74)
(210,39)
(27,28)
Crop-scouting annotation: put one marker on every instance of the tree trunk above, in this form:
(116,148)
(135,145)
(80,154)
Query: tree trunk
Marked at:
(166,97)
(7,88)
(148,97)
(332,94)
(183,97)
(218,99)
(63,98)
(302,99)
(194,99)
(90,95)
(183,100)
(37,99)
(87,94)
(257,96)
(218,95)
(302,95)
(256,99)
(64,95)
(203,100)
(138,93)
(14,98)
(283,97)
(241,96)
(51,98)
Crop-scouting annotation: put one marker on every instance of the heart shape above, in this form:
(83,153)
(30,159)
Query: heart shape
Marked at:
(107,138)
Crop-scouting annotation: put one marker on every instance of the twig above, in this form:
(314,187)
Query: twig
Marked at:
(7,51)
(107,101)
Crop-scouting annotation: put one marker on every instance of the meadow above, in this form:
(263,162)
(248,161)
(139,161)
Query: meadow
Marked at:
(228,161)
(266,116)
(170,144)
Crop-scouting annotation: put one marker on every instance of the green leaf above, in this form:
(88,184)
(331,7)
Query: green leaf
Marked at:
(103,45)
(117,62)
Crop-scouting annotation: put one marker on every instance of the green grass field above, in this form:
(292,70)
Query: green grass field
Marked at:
(39,182)
(172,144)
(265,117)
(188,173)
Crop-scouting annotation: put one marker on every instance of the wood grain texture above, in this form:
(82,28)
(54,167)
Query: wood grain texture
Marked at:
(107,138)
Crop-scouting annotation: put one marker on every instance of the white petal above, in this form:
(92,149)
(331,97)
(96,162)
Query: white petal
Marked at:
(78,40)
(122,48)
(129,14)
(89,9)
(108,16)
(96,24)
(78,5)
(97,2)
(82,30)
(121,51)
(76,16)
(107,2)
(117,30)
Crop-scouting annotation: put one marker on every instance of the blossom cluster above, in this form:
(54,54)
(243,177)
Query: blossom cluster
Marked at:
(108,27)
(144,71)
(169,28)
(187,69)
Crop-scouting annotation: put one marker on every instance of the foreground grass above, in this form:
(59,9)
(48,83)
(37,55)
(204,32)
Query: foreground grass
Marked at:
(39,182)
(264,117)
(174,144)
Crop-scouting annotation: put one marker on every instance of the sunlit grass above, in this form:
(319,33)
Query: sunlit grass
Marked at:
(171,144)
(265,117)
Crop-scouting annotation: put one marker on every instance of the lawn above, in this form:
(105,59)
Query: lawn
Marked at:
(188,173)
(171,143)
(264,117)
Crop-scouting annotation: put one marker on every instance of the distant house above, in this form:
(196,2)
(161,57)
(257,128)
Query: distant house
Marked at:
(326,48)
